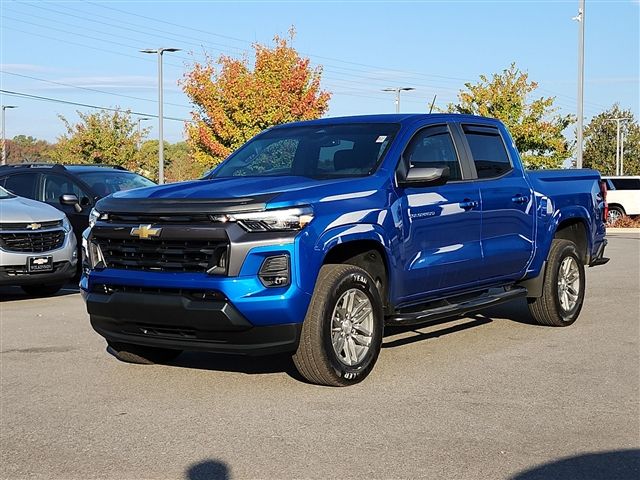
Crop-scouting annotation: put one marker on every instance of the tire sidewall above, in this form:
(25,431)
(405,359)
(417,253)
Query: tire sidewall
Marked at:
(358,279)
(570,316)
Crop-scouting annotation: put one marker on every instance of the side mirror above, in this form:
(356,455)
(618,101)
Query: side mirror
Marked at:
(420,177)
(71,199)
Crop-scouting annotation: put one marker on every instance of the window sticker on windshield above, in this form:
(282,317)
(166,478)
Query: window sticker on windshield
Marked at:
(381,138)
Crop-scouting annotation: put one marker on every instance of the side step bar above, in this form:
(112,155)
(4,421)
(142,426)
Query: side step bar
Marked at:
(455,309)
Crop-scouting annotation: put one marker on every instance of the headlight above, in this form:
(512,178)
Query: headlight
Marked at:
(66,225)
(285,219)
(95,215)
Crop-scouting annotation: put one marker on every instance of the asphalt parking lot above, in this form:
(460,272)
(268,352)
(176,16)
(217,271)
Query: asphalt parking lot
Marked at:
(491,396)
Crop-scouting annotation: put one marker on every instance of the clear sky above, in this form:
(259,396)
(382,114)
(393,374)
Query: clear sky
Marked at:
(433,46)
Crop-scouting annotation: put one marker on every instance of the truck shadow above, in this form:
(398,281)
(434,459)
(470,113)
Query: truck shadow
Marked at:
(10,294)
(514,311)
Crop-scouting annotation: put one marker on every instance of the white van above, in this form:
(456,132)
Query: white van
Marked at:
(623,197)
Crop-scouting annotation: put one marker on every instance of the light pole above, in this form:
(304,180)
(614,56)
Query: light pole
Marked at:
(159,52)
(580,19)
(619,144)
(140,119)
(398,90)
(4,146)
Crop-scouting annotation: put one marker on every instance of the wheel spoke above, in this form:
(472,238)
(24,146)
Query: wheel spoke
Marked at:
(363,340)
(361,330)
(363,315)
(351,346)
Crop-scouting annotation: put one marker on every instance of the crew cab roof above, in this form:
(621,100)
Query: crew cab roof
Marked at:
(401,118)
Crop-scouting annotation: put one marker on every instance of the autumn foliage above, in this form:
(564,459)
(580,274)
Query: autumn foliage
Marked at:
(235,101)
(535,124)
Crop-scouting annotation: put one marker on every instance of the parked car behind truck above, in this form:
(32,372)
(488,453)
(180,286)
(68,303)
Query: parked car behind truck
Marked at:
(37,247)
(315,235)
(623,197)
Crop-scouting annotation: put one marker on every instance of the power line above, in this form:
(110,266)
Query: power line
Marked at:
(90,89)
(86,105)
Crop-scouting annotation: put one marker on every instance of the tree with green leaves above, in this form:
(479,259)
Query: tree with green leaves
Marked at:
(600,142)
(534,123)
(236,100)
(103,137)
(178,161)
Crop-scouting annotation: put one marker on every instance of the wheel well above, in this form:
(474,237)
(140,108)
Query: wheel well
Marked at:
(575,231)
(368,255)
(616,205)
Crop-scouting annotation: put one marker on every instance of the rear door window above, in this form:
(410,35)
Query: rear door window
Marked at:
(22,184)
(488,151)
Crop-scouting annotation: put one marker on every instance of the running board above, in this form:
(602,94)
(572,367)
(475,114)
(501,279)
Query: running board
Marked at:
(435,314)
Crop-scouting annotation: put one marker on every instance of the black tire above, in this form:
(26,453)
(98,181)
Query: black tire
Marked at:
(547,309)
(42,290)
(316,358)
(615,213)
(141,354)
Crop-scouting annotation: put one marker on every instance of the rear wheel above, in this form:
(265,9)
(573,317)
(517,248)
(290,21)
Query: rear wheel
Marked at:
(42,290)
(141,354)
(342,332)
(563,289)
(615,214)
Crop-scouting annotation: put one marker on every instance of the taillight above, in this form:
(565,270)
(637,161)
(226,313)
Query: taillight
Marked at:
(603,192)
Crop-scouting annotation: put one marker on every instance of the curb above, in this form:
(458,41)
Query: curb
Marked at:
(623,230)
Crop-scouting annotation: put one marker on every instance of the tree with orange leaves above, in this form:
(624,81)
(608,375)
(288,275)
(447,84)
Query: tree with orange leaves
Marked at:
(235,102)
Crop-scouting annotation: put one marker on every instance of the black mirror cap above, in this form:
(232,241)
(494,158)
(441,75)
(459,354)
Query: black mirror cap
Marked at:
(433,176)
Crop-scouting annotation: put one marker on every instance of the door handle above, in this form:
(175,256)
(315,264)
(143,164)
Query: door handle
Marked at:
(520,199)
(467,204)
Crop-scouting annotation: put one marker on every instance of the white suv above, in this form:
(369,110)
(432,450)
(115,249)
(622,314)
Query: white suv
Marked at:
(38,249)
(623,196)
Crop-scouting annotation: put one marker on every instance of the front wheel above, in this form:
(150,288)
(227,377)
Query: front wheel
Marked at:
(563,289)
(342,331)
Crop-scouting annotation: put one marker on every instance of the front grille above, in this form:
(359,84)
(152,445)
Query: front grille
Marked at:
(32,242)
(164,255)
(192,294)
(29,226)
(172,219)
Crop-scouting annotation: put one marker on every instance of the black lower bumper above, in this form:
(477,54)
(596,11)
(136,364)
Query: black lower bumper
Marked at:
(18,275)
(181,322)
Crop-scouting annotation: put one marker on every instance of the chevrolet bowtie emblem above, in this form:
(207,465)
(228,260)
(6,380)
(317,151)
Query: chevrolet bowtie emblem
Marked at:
(34,226)
(145,231)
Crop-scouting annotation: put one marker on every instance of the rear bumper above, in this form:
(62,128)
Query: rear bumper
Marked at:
(179,321)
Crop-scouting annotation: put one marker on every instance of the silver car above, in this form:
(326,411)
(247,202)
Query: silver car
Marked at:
(38,250)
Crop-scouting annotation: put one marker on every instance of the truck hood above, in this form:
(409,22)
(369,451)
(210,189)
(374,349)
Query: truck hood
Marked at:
(230,194)
(24,210)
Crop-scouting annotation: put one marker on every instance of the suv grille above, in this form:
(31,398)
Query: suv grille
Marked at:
(28,227)
(32,242)
(164,255)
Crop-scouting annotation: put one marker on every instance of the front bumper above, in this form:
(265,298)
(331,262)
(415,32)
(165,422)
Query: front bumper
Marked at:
(13,265)
(179,320)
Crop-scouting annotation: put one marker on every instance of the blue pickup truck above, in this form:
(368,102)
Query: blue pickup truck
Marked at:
(313,236)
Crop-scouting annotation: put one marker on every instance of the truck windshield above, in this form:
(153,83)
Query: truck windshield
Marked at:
(318,151)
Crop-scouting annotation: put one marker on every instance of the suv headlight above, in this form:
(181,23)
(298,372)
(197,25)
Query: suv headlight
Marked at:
(286,219)
(66,225)
(95,215)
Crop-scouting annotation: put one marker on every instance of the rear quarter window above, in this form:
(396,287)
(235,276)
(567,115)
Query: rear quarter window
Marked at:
(626,183)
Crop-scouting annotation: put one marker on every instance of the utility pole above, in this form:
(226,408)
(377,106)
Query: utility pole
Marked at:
(580,19)
(159,52)
(621,152)
(4,145)
(619,144)
(398,90)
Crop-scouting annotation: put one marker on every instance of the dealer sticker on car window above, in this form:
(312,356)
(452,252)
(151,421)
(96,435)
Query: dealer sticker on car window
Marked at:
(381,138)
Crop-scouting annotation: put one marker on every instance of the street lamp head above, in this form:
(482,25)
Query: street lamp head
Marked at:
(149,50)
(170,49)
(407,88)
(4,107)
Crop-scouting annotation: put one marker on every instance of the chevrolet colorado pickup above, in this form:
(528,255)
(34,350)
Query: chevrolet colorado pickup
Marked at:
(314,235)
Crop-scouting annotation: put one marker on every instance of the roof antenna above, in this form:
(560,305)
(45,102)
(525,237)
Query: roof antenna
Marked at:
(433,103)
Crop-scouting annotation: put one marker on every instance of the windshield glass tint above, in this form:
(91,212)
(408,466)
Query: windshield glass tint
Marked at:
(4,193)
(319,151)
(106,183)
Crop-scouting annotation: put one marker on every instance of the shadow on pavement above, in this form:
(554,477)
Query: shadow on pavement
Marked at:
(208,470)
(8,294)
(615,464)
